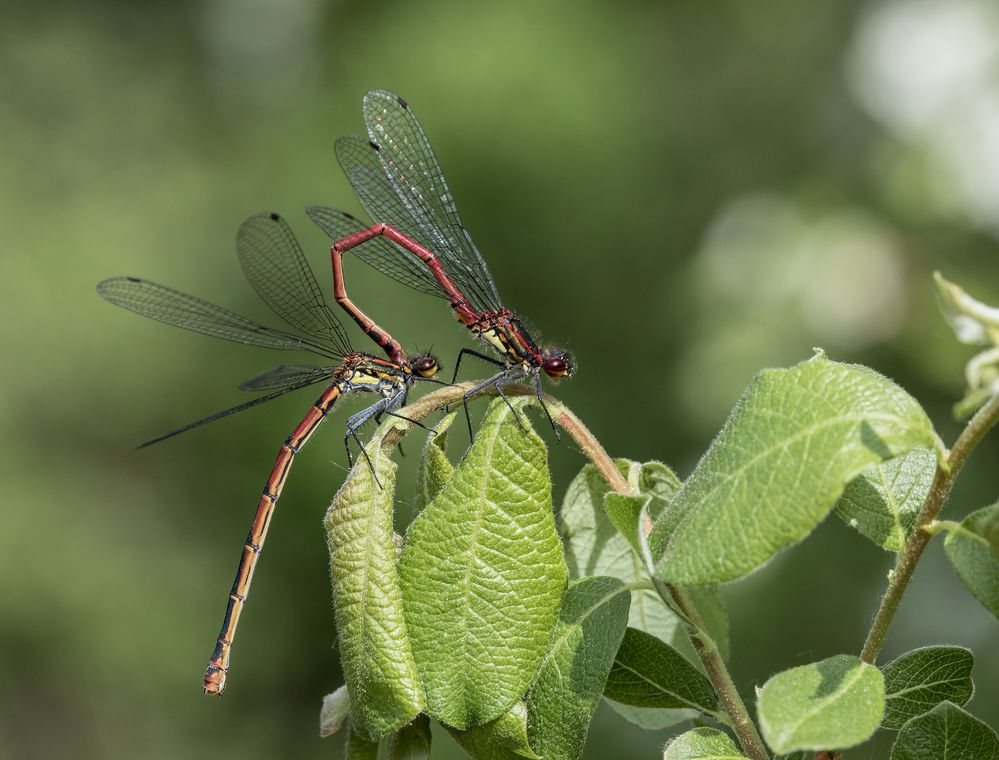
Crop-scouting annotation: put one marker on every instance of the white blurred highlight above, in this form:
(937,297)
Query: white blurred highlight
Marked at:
(839,274)
(928,70)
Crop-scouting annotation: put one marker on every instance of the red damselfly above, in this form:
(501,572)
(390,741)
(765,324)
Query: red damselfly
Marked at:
(419,240)
(273,262)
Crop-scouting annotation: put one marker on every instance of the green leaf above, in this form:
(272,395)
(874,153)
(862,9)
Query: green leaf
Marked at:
(483,573)
(652,718)
(702,744)
(568,687)
(884,500)
(625,512)
(656,485)
(923,678)
(410,742)
(435,468)
(660,481)
(335,709)
(649,673)
(792,443)
(973,550)
(358,746)
(502,739)
(837,702)
(948,732)
(378,662)
(594,546)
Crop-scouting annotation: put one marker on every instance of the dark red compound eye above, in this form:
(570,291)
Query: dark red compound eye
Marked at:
(425,366)
(556,367)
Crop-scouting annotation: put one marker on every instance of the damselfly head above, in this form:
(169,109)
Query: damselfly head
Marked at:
(425,365)
(557,363)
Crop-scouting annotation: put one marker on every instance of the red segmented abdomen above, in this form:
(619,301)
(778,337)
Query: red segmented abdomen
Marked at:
(218,665)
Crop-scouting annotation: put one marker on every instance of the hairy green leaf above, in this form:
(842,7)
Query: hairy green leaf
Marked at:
(882,503)
(792,443)
(702,744)
(378,662)
(658,480)
(502,739)
(947,732)
(594,546)
(335,709)
(435,468)
(973,550)
(483,573)
(647,672)
(410,742)
(568,687)
(837,702)
(652,718)
(923,678)
(358,746)
(625,513)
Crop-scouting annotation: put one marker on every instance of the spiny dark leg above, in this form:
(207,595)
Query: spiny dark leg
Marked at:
(502,395)
(410,420)
(352,433)
(400,400)
(472,352)
(468,418)
(472,391)
(356,422)
(541,400)
(350,454)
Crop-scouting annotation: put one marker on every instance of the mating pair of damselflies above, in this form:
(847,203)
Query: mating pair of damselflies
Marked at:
(418,239)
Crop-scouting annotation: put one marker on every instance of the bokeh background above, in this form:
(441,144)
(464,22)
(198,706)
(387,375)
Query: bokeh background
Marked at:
(683,193)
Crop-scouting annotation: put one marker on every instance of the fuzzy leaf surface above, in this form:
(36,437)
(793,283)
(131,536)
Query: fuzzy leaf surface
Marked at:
(411,742)
(647,672)
(378,663)
(435,468)
(973,550)
(837,702)
(882,503)
(596,546)
(584,641)
(502,739)
(359,747)
(483,573)
(947,732)
(702,744)
(923,678)
(792,443)
(652,718)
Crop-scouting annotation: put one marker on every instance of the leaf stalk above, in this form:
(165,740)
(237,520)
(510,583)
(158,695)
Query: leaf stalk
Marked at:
(947,471)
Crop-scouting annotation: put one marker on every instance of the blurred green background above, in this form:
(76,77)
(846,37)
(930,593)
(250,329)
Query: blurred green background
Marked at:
(683,193)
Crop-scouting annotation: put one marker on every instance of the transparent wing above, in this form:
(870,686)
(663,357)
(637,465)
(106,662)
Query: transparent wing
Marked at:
(382,254)
(277,269)
(226,413)
(415,174)
(182,310)
(361,163)
(285,375)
